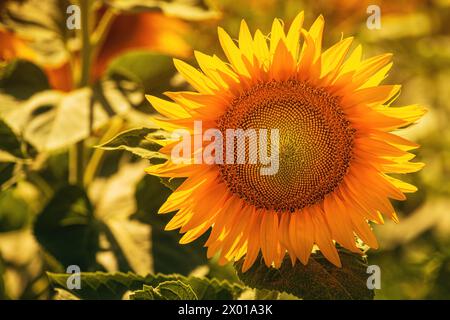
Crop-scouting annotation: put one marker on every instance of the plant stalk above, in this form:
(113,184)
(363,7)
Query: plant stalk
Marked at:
(76,154)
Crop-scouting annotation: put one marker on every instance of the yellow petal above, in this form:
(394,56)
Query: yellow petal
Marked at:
(195,78)
(333,57)
(168,109)
(232,52)
(408,114)
(179,219)
(285,222)
(307,57)
(339,222)
(316,32)
(378,77)
(369,67)
(304,235)
(371,96)
(269,236)
(402,185)
(353,61)
(276,35)
(246,41)
(261,49)
(254,241)
(283,64)
(405,167)
(293,36)
(322,236)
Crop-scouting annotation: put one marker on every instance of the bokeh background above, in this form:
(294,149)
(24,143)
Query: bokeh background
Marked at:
(103,217)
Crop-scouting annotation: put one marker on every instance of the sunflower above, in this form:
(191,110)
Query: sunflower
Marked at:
(336,147)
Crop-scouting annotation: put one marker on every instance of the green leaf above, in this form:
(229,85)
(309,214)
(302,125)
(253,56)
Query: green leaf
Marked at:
(67,230)
(152,71)
(9,141)
(14,211)
(63,295)
(101,285)
(147,293)
(319,279)
(263,294)
(213,289)
(441,286)
(3,295)
(168,290)
(6,172)
(135,141)
(195,10)
(21,79)
(168,255)
(52,120)
(171,183)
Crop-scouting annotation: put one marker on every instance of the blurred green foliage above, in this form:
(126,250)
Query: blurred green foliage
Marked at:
(106,221)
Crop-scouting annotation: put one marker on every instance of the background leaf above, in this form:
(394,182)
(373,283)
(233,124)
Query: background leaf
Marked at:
(168,255)
(153,71)
(66,228)
(9,142)
(21,79)
(14,211)
(43,23)
(6,172)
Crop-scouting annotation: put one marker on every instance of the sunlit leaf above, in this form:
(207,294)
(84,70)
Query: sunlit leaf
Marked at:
(64,295)
(168,290)
(188,10)
(52,119)
(136,141)
(101,285)
(114,202)
(209,289)
(262,294)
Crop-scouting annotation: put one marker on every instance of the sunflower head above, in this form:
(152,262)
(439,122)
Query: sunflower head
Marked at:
(334,146)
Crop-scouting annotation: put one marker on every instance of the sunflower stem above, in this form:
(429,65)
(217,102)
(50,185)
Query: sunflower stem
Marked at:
(97,156)
(76,153)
